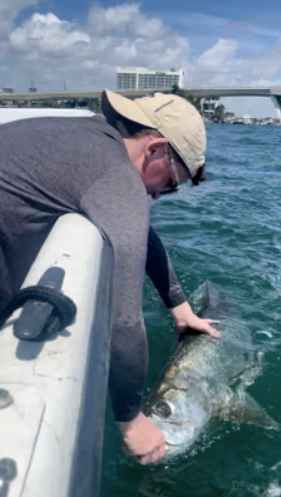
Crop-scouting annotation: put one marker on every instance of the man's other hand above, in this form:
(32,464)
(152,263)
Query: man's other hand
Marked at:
(142,440)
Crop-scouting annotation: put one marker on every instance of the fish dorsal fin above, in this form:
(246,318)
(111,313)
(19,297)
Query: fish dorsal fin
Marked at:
(240,407)
(205,297)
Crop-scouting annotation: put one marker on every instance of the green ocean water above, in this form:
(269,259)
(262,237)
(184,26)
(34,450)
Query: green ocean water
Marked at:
(228,231)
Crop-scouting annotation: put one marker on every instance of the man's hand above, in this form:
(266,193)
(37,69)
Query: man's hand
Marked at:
(142,440)
(185,319)
(197,324)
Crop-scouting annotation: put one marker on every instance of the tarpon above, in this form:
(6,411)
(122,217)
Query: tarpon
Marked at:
(205,378)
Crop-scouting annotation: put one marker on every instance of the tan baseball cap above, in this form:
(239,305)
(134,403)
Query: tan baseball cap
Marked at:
(175,118)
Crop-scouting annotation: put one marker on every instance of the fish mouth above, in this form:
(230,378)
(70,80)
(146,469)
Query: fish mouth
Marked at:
(171,444)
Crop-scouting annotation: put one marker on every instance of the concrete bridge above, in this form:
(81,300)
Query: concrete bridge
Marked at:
(273,92)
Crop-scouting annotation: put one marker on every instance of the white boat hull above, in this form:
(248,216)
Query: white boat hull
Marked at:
(43,428)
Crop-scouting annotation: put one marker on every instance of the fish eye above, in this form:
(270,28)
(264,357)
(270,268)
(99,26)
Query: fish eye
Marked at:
(163,409)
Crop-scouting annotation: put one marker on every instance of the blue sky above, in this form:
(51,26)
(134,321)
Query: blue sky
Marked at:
(57,42)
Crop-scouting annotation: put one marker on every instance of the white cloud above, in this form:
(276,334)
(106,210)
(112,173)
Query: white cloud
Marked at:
(114,21)
(132,38)
(216,66)
(219,54)
(220,66)
(125,19)
(86,56)
(9,9)
(47,35)
(50,51)
(207,22)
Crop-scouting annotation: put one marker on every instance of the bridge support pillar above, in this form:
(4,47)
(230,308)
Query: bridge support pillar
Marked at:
(276,99)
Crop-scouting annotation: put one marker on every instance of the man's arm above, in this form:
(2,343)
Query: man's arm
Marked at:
(124,220)
(120,210)
(160,270)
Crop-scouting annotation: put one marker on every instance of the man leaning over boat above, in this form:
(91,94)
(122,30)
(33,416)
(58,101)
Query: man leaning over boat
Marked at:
(105,168)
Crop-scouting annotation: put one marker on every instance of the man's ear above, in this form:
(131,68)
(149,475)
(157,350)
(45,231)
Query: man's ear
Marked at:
(156,145)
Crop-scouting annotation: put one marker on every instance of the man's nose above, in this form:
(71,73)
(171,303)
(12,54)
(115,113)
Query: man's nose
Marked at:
(156,196)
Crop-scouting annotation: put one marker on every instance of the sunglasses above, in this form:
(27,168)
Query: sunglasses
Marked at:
(173,184)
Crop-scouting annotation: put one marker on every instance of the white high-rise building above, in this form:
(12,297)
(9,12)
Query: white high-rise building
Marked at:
(139,78)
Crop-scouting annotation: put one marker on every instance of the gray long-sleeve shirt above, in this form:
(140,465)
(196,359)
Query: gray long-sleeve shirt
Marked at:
(52,166)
